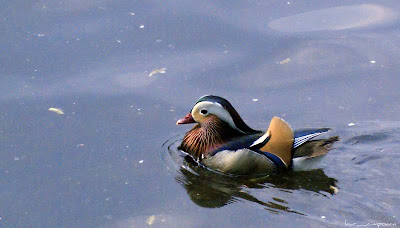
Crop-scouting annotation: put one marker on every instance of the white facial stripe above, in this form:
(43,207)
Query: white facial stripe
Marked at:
(216,109)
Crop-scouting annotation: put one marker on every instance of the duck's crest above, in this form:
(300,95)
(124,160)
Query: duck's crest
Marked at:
(238,121)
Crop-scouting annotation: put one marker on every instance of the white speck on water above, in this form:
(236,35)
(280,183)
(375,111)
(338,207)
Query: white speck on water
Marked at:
(350,124)
(386,204)
(141,161)
(255,99)
(138,109)
(287,60)
(132,14)
(126,182)
(161,71)
(334,189)
(40,34)
(225,52)
(118,41)
(158,40)
(59,111)
(322,217)
(142,26)
(35,70)
(16,158)
(372,61)
(150,220)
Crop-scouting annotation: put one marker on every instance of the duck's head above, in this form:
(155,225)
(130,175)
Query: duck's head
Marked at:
(209,107)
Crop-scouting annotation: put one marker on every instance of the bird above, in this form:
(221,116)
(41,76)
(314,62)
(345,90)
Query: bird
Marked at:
(222,141)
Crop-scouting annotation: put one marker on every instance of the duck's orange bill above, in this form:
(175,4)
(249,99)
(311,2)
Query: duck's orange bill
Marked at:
(185,120)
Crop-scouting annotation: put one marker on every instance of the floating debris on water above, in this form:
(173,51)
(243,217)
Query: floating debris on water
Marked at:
(255,99)
(56,110)
(40,34)
(132,14)
(323,217)
(158,71)
(372,61)
(350,124)
(141,161)
(284,61)
(334,189)
(142,26)
(150,220)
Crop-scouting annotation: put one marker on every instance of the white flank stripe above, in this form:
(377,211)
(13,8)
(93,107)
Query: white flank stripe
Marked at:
(260,140)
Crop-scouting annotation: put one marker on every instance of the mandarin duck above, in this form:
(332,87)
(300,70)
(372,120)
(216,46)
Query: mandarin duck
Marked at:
(222,141)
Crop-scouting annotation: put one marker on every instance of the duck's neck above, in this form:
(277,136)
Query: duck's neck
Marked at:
(208,136)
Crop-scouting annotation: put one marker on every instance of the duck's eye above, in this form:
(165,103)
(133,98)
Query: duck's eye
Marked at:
(204,112)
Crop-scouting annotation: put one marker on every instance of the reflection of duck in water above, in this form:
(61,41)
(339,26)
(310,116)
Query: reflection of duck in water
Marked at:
(211,190)
(222,141)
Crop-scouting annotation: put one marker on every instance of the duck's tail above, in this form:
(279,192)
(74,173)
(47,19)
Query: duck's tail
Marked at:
(307,156)
(315,148)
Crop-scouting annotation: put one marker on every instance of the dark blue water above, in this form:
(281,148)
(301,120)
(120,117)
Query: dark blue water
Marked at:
(123,72)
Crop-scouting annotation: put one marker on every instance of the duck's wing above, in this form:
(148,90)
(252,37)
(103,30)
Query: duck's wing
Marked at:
(304,135)
(278,140)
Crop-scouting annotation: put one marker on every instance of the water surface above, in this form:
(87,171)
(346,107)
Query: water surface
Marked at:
(101,163)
